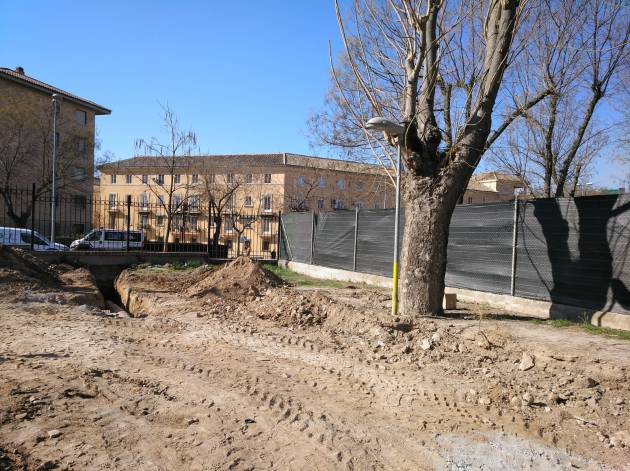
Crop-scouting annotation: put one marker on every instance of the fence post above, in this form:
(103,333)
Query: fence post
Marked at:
(514,245)
(32,216)
(128,218)
(312,236)
(209,228)
(356,233)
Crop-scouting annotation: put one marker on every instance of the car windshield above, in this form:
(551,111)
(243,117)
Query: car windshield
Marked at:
(37,239)
(94,235)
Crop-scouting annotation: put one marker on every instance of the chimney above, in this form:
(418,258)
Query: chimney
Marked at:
(19,70)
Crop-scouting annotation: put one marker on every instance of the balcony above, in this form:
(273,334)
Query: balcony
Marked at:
(144,209)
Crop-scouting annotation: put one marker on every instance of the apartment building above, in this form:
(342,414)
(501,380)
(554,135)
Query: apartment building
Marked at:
(26,134)
(178,199)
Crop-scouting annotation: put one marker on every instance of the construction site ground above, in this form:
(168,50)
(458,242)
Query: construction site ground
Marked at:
(230,368)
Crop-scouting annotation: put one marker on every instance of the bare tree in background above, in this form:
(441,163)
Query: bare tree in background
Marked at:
(26,154)
(580,54)
(173,158)
(436,66)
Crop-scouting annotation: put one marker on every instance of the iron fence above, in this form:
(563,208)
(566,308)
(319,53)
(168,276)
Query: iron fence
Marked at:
(568,251)
(189,225)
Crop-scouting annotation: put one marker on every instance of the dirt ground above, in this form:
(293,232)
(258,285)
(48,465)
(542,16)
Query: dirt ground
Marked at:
(231,369)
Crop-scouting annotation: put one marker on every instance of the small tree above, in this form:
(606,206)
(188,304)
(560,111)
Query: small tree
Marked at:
(173,157)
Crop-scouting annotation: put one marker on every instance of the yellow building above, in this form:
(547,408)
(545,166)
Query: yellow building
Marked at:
(26,133)
(179,199)
(491,187)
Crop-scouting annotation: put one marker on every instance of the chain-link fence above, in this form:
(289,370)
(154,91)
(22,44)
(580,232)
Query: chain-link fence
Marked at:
(569,251)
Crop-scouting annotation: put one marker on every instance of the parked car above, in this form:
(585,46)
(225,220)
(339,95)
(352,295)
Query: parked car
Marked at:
(19,237)
(108,239)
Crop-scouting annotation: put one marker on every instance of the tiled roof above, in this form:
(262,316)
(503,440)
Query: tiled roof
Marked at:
(34,83)
(243,160)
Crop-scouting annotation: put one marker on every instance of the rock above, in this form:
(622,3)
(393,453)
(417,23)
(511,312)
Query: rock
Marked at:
(406,349)
(514,400)
(527,362)
(436,337)
(21,416)
(426,344)
(620,439)
(527,399)
(553,398)
(485,401)
(193,420)
(588,383)
(54,433)
(619,401)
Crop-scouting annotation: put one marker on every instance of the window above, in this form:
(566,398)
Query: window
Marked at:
(229,204)
(265,223)
(246,221)
(267,178)
(228,225)
(117,236)
(320,203)
(470,200)
(160,180)
(193,202)
(81,145)
(26,238)
(341,184)
(377,205)
(112,201)
(112,221)
(144,221)
(229,244)
(211,178)
(249,178)
(265,246)
(160,200)
(360,186)
(193,223)
(266,203)
(81,116)
(144,200)
(336,204)
(128,179)
(322,182)
(159,220)
(145,179)
(178,179)
(195,178)
(176,202)
(112,179)
(248,202)
(301,180)
(94,236)
(230,178)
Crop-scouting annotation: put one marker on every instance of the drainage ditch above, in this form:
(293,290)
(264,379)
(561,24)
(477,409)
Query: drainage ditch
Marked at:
(105,276)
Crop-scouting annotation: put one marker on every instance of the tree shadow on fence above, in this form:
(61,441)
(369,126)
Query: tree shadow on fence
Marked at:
(587,274)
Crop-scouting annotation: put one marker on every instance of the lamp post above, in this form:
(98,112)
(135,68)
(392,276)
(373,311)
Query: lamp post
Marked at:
(54,166)
(393,129)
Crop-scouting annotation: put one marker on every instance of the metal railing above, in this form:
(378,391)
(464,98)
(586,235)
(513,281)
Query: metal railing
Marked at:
(184,227)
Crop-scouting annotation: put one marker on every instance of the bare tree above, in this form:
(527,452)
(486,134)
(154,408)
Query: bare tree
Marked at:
(580,54)
(173,158)
(437,66)
(26,155)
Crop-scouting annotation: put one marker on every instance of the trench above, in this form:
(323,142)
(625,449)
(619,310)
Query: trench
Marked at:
(105,276)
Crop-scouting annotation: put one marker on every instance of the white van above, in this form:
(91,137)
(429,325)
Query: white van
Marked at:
(21,238)
(108,239)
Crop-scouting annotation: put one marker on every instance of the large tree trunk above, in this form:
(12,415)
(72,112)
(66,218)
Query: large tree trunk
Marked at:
(427,220)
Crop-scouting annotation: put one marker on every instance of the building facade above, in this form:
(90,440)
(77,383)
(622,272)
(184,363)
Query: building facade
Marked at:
(491,187)
(26,140)
(195,199)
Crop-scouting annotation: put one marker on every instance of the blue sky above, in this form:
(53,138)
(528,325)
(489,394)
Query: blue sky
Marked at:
(243,74)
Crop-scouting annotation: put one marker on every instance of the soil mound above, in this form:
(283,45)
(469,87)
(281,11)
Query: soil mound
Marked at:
(243,279)
(19,266)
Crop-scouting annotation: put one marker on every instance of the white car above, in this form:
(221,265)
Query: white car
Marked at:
(21,238)
(108,239)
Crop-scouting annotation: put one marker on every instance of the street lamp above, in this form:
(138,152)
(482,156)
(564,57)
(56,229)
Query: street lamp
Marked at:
(54,165)
(393,129)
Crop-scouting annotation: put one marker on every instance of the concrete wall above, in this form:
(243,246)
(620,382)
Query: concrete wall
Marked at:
(522,307)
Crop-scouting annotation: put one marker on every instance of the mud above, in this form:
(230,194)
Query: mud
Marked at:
(292,378)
